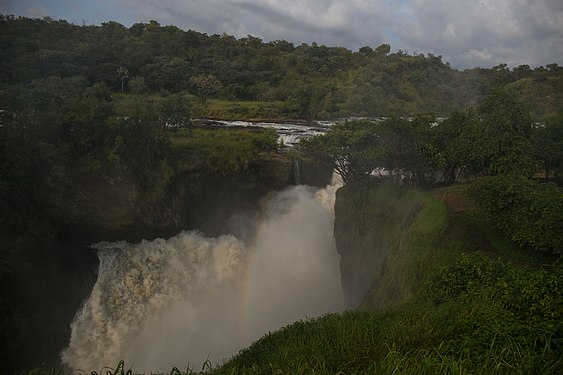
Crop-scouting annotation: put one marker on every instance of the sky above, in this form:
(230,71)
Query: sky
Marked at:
(466,33)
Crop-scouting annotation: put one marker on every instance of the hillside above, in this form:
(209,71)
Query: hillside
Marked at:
(305,81)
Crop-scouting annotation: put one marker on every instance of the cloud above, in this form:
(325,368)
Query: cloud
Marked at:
(480,32)
(29,8)
(466,33)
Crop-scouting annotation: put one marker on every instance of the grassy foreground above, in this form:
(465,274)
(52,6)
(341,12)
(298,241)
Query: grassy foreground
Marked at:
(454,297)
(451,308)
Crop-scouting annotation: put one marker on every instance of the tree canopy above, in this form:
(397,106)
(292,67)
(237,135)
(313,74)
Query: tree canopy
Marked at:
(313,80)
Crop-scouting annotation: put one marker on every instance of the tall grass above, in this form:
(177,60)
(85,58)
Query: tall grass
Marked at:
(243,110)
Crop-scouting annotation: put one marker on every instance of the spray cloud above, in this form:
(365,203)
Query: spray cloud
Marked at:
(178,302)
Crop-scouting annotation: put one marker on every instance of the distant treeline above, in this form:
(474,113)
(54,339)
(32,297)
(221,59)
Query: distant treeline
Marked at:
(313,81)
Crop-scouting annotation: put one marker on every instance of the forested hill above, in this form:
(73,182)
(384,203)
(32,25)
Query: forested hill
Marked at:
(306,81)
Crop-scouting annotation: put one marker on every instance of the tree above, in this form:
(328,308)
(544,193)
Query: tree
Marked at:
(495,138)
(353,148)
(123,75)
(446,139)
(174,111)
(547,140)
(383,50)
(397,146)
(207,84)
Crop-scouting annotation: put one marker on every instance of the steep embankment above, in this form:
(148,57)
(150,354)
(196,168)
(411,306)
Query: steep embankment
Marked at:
(368,226)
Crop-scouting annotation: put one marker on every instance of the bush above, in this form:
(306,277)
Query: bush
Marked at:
(222,150)
(530,213)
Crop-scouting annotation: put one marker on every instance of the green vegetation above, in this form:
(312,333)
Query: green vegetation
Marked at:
(527,211)
(305,81)
(242,110)
(496,138)
(456,312)
(452,294)
(227,151)
(358,147)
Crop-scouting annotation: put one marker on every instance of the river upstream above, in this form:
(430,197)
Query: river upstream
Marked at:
(289,133)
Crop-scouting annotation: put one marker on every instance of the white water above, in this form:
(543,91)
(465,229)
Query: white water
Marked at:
(180,301)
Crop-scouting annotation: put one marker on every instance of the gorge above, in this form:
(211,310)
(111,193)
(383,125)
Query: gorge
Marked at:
(189,299)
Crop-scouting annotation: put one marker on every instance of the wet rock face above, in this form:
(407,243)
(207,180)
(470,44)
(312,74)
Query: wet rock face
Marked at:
(367,229)
(94,208)
(89,207)
(362,246)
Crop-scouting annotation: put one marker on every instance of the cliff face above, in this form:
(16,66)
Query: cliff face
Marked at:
(98,208)
(368,224)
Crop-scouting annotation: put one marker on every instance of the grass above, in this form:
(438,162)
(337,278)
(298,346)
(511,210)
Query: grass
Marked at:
(222,150)
(241,110)
(414,223)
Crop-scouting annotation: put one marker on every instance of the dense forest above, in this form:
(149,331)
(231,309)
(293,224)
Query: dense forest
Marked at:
(57,59)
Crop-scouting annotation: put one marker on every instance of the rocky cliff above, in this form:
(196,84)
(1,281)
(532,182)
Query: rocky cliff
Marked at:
(368,224)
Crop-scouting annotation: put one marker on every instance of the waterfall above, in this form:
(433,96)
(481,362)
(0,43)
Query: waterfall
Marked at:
(296,171)
(176,302)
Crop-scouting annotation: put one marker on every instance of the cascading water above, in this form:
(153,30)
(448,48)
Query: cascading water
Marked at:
(296,171)
(178,302)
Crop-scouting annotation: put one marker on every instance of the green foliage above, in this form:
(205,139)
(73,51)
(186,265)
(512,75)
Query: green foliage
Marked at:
(493,139)
(358,147)
(247,110)
(174,111)
(414,223)
(352,146)
(207,84)
(528,212)
(227,151)
(314,81)
(523,303)
(547,140)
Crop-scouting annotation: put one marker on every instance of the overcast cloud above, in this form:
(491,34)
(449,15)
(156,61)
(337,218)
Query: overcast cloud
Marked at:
(466,33)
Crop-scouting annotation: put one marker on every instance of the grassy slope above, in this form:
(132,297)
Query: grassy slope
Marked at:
(459,319)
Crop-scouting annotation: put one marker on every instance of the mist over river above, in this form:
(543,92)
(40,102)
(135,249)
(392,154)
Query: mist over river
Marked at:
(181,301)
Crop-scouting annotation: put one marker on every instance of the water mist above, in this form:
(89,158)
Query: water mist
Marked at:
(178,302)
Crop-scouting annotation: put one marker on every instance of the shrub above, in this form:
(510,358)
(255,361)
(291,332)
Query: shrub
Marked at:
(530,213)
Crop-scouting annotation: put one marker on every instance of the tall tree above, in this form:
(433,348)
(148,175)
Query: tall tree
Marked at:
(207,84)
(353,148)
(174,111)
(123,74)
(495,139)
